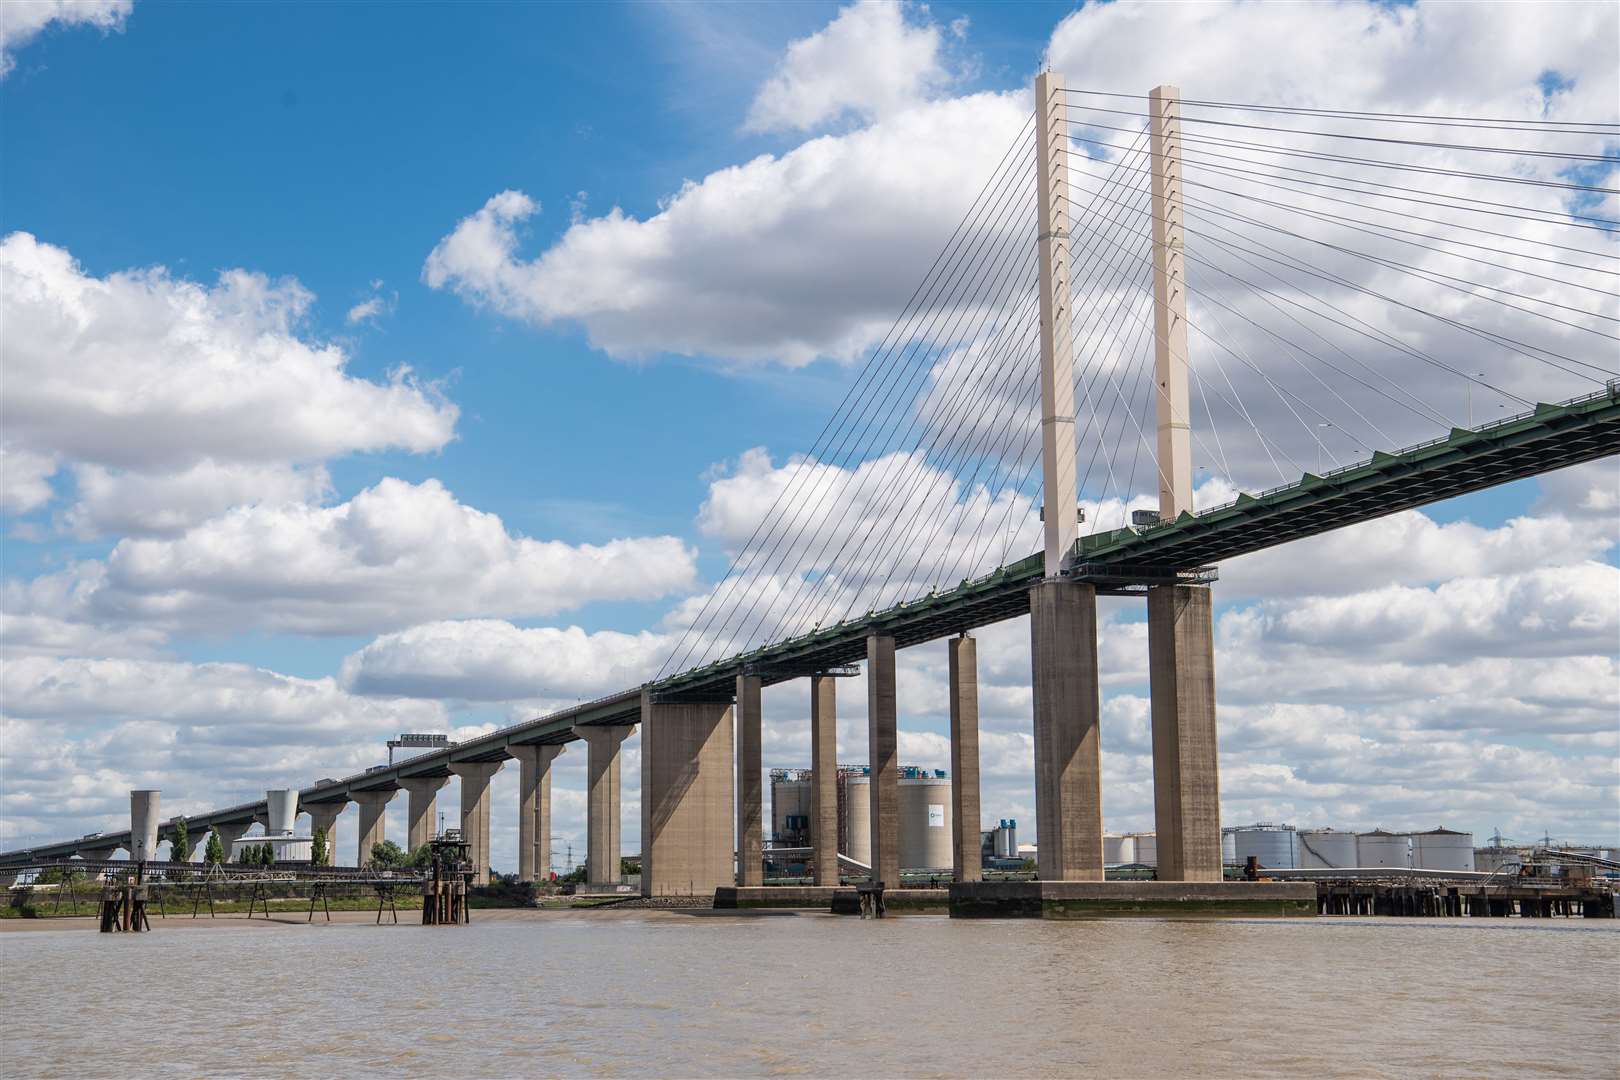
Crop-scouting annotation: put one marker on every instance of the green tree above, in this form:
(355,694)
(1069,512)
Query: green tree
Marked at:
(421,858)
(214,850)
(180,845)
(386,855)
(317,846)
(267,854)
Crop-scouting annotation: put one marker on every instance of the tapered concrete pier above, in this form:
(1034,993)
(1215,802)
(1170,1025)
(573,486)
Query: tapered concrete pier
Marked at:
(964,675)
(750,785)
(324,815)
(475,806)
(882,739)
(1068,759)
(1186,774)
(686,797)
(373,814)
(422,807)
(143,825)
(230,834)
(824,778)
(602,800)
(534,809)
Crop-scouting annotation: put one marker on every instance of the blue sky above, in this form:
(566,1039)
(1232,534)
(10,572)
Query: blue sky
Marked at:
(339,146)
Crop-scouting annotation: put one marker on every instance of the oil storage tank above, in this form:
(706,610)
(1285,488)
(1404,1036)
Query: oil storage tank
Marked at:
(1146,847)
(1327,849)
(1275,847)
(791,795)
(1118,850)
(858,819)
(1443,849)
(925,823)
(1383,849)
(1229,846)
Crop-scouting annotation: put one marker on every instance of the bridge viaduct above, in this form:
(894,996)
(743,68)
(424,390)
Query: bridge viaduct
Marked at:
(701,774)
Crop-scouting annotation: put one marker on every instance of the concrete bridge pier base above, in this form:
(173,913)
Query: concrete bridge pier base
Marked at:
(1186,776)
(229,835)
(1068,759)
(373,815)
(602,800)
(534,809)
(750,785)
(475,778)
(686,797)
(824,778)
(422,807)
(324,815)
(964,673)
(882,740)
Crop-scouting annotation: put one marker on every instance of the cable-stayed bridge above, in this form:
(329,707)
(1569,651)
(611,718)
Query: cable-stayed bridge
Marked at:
(1209,329)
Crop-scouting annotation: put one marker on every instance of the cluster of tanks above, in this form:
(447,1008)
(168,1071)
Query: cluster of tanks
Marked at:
(924,811)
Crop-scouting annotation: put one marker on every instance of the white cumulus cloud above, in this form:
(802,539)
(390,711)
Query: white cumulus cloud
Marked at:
(21,21)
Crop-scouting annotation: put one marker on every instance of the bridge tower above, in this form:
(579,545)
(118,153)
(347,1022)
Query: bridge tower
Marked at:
(1181,650)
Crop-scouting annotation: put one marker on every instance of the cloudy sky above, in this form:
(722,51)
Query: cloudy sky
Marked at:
(424,371)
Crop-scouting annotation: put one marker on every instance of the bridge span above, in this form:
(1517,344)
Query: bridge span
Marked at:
(701,774)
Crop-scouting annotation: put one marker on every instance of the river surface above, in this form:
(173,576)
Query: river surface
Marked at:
(671,994)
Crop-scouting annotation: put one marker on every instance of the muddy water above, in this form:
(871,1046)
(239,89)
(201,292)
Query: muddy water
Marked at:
(661,994)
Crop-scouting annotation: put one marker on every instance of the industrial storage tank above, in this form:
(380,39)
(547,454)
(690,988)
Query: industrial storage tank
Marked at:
(282,811)
(858,818)
(1380,848)
(1443,849)
(1118,850)
(1229,846)
(1005,839)
(1275,847)
(925,823)
(791,796)
(1327,849)
(1146,846)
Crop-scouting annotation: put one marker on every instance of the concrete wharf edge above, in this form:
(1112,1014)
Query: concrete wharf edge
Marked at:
(837,899)
(1106,899)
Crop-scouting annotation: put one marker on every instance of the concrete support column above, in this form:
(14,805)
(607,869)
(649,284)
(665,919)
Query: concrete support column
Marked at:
(966,864)
(534,809)
(324,815)
(1068,760)
(97,854)
(475,778)
(373,808)
(750,796)
(423,807)
(882,738)
(1186,777)
(824,778)
(686,797)
(229,835)
(602,801)
(143,825)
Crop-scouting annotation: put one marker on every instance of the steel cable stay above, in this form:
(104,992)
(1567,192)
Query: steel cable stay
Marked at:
(1006,268)
(1365,162)
(862,549)
(899,348)
(1430,119)
(906,316)
(1198,158)
(1512,343)
(1350,136)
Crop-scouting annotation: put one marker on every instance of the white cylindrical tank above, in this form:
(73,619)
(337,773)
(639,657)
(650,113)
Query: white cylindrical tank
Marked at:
(143,825)
(1275,847)
(790,799)
(1006,843)
(1229,847)
(1114,849)
(1380,848)
(1327,849)
(1146,846)
(1443,849)
(858,818)
(925,823)
(281,811)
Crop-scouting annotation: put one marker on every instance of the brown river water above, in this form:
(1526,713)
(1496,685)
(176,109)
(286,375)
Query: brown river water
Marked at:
(698,994)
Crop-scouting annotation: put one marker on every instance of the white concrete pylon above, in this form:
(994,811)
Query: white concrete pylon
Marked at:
(1170,306)
(1061,520)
